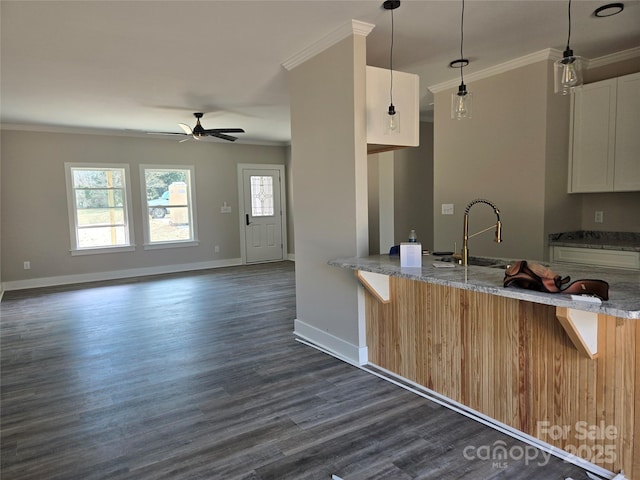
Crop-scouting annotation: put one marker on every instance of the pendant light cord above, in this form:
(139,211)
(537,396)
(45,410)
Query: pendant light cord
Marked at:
(461,42)
(569,35)
(391,63)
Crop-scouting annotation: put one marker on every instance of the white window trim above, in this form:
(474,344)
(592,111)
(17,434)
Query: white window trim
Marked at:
(71,210)
(148,245)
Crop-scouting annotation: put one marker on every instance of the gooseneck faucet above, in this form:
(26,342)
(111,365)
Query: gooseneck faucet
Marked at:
(465,233)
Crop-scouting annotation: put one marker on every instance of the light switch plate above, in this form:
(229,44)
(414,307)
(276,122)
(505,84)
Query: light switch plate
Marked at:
(599,217)
(447,209)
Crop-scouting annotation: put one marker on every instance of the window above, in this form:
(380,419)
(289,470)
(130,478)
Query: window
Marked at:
(262,196)
(98,202)
(168,195)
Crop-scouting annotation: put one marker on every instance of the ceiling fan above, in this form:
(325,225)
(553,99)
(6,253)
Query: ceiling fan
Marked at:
(199,131)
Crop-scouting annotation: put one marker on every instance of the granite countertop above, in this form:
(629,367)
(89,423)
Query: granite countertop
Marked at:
(624,285)
(628,241)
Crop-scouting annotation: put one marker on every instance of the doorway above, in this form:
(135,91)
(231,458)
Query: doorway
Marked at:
(262,212)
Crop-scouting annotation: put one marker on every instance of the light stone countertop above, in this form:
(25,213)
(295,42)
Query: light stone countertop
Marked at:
(625,241)
(624,285)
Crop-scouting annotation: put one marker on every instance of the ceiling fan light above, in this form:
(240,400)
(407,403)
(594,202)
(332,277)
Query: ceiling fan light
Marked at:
(198,130)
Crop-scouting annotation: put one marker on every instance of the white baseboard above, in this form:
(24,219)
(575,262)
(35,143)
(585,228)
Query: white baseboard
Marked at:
(333,345)
(116,274)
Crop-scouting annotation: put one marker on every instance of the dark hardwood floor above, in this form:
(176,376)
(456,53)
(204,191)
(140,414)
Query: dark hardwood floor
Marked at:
(198,376)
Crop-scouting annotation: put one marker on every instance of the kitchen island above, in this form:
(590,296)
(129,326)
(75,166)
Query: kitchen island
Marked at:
(561,370)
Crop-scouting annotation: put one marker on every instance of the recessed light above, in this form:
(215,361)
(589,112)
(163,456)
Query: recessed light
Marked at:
(459,63)
(609,10)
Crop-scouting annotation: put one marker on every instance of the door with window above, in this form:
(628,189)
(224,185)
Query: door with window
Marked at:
(261,207)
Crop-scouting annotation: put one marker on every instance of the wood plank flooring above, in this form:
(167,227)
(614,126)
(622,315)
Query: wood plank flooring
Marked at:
(198,376)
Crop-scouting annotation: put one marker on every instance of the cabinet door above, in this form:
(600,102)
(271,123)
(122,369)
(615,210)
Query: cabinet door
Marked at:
(627,164)
(591,158)
(596,257)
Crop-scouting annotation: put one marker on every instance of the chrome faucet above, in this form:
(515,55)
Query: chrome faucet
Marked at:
(465,233)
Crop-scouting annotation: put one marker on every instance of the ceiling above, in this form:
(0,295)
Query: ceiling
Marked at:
(144,66)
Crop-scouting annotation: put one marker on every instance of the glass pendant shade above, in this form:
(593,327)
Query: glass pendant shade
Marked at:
(461,103)
(391,121)
(567,73)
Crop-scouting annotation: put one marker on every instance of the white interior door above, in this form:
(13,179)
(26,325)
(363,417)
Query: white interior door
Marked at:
(263,216)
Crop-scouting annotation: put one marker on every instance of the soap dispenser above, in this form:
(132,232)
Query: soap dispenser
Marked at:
(413,238)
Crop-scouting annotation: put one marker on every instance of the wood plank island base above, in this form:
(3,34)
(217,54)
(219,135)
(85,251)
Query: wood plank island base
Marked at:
(510,358)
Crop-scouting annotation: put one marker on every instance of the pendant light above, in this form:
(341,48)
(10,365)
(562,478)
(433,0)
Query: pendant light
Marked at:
(462,100)
(567,71)
(391,116)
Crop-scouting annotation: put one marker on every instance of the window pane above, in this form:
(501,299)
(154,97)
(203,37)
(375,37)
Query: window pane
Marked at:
(162,230)
(169,207)
(262,196)
(101,236)
(100,216)
(99,198)
(100,207)
(94,178)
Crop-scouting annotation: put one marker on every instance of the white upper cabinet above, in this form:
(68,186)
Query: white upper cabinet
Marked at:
(627,162)
(604,153)
(593,130)
(406,101)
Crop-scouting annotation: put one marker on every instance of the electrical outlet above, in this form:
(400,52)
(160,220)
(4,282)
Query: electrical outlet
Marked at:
(216,249)
(447,209)
(27,265)
(599,218)
(225,209)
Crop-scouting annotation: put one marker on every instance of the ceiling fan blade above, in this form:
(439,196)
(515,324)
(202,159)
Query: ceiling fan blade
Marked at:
(222,136)
(164,133)
(171,134)
(186,128)
(224,130)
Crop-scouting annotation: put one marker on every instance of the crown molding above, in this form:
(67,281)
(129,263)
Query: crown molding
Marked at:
(547,54)
(16,127)
(622,56)
(354,27)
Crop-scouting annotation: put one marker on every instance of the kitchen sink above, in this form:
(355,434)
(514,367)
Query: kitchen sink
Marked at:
(480,261)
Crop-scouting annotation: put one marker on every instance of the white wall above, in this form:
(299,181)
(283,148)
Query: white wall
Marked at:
(373,200)
(505,153)
(514,151)
(380,173)
(414,189)
(386,202)
(34,204)
(329,164)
